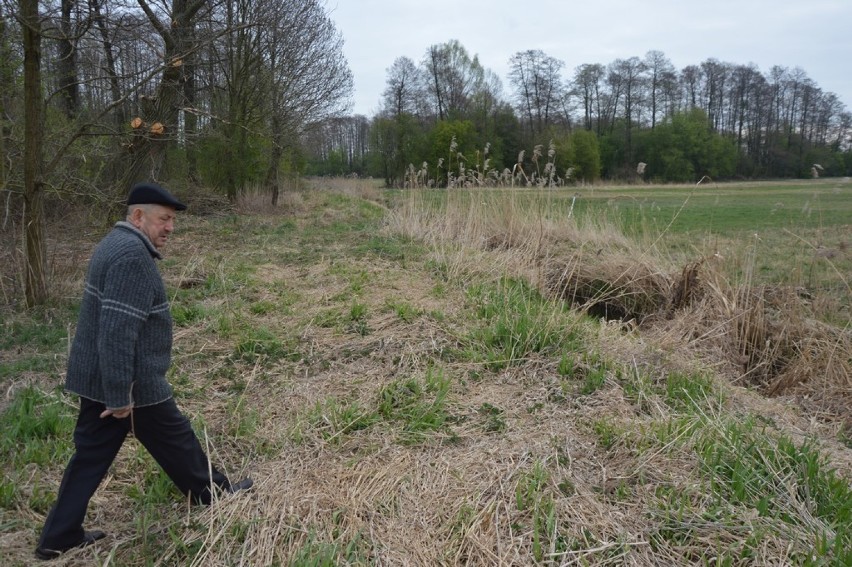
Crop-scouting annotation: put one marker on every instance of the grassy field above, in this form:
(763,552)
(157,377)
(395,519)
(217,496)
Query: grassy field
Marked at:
(410,382)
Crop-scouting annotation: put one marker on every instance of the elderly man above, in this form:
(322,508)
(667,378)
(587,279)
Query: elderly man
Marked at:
(117,365)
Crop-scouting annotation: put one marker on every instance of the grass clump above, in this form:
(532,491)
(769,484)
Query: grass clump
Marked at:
(261,342)
(332,418)
(420,406)
(534,499)
(780,480)
(35,428)
(519,322)
(687,391)
(316,553)
(356,320)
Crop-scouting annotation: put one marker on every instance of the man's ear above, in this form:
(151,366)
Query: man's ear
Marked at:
(136,215)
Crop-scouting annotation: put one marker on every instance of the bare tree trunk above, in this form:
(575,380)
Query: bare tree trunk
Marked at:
(113,170)
(7,78)
(68,84)
(190,118)
(35,248)
(275,155)
(150,145)
(115,88)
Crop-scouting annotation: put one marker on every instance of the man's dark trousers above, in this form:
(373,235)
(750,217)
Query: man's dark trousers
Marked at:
(164,431)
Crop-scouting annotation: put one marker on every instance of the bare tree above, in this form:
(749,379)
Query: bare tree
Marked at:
(310,78)
(659,68)
(587,85)
(625,77)
(33,219)
(453,77)
(8,65)
(537,81)
(404,88)
(68,83)
(158,127)
(715,76)
(691,78)
(109,58)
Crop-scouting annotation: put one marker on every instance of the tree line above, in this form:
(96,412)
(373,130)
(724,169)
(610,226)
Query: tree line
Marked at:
(99,94)
(229,94)
(718,119)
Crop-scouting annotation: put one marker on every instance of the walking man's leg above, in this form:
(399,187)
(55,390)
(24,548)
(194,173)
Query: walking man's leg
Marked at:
(97,442)
(167,434)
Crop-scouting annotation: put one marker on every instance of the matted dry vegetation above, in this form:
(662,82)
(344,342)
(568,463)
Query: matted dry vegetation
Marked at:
(763,336)
(529,468)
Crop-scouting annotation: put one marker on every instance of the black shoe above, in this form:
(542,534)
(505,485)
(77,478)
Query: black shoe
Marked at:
(88,539)
(244,484)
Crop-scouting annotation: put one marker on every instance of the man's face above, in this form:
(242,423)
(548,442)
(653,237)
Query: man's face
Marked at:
(156,221)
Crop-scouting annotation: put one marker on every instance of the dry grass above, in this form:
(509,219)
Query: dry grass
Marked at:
(594,461)
(368,189)
(765,337)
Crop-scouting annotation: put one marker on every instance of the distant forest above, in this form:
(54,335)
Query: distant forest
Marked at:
(230,96)
(635,118)
(241,94)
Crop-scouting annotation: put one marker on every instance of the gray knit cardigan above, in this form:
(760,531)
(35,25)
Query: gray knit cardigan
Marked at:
(122,348)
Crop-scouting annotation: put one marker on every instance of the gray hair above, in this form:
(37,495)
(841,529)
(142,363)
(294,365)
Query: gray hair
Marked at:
(144,206)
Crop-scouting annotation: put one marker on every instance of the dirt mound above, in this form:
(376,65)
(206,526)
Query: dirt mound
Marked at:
(610,287)
(765,337)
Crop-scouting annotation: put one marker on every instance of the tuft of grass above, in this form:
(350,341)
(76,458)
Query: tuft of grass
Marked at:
(332,419)
(315,553)
(32,363)
(44,334)
(783,481)
(185,315)
(357,319)
(404,310)
(592,372)
(35,428)
(494,420)
(688,391)
(518,323)
(261,342)
(152,488)
(533,496)
(607,433)
(262,307)
(420,406)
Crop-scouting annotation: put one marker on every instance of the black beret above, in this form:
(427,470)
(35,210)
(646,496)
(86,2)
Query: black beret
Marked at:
(153,194)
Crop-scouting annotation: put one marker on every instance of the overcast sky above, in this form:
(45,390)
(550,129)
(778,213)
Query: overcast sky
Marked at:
(815,35)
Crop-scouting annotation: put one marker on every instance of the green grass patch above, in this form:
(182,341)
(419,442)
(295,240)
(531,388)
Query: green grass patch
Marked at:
(186,315)
(493,417)
(261,342)
(356,320)
(152,488)
(518,322)
(317,553)
(393,248)
(420,406)
(404,310)
(688,392)
(533,495)
(332,418)
(780,480)
(46,333)
(35,430)
(32,363)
